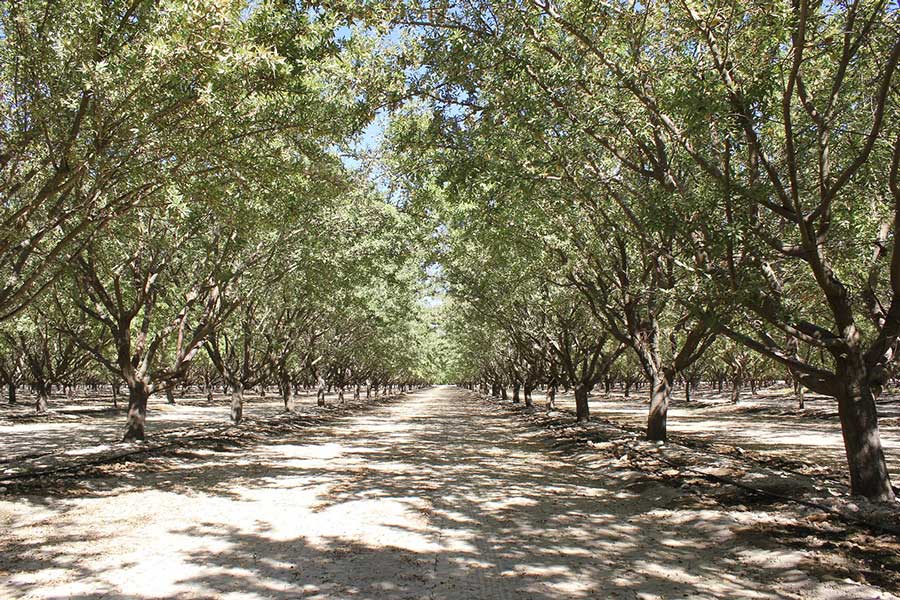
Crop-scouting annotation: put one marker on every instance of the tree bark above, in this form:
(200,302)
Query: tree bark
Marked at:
(11,392)
(516,387)
(660,392)
(138,393)
(42,402)
(287,397)
(582,410)
(170,395)
(237,403)
(320,393)
(862,440)
(736,390)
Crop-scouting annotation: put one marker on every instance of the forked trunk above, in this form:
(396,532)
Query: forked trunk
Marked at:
(862,440)
(582,410)
(138,393)
(660,392)
(237,403)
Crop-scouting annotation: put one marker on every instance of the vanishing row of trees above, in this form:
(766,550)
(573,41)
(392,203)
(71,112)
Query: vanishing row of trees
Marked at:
(642,184)
(175,206)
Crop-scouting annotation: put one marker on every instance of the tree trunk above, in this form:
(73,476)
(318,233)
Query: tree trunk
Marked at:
(503,394)
(736,384)
(528,402)
(862,440)
(582,410)
(11,392)
(170,395)
(516,387)
(660,392)
(799,393)
(551,398)
(237,403)
(43,398)
(138,393)
(320,395)
(286,396)
(687,391)
(628,388)
(356,392)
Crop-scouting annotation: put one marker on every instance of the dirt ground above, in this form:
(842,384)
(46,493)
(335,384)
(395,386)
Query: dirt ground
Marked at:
(767,424)
(439,494)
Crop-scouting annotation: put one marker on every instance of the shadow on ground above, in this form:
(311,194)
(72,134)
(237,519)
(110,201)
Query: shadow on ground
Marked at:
(436,497)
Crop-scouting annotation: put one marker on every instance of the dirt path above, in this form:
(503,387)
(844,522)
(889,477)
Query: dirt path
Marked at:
(437,496)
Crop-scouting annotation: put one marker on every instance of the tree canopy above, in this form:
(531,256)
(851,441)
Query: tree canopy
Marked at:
(565,194)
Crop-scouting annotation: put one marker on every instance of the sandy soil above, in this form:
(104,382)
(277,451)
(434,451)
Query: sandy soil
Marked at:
(437,495)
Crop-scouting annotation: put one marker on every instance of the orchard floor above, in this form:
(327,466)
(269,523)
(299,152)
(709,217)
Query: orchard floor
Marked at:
(435,495)
(767,424)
